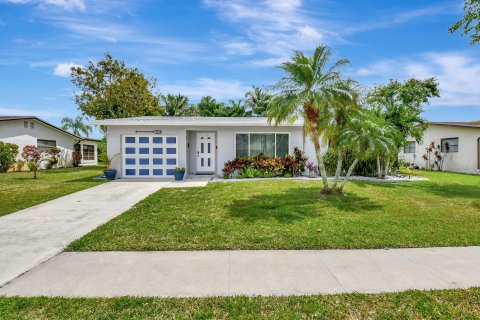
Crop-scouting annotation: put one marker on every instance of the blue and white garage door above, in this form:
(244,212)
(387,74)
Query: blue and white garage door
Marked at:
(149,156)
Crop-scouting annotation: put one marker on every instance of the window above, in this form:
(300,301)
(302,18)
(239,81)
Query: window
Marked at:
(251,144)
(32,125)
(43,145)
(449,145)
(25,124)
(410,147)
(88,152)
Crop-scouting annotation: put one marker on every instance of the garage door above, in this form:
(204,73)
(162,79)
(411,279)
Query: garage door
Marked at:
(149,156)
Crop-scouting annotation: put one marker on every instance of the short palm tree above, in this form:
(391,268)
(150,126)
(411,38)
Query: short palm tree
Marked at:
(365,136)
(76,126)
(307,91)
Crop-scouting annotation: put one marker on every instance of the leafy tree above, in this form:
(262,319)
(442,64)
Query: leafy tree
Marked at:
(175,105)
(470,23)
(8,153)
(401,104)
(108,89)
(257,100)
(76,126)
(309,88)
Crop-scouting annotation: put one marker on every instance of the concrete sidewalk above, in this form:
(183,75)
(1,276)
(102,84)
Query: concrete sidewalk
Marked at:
(214,273)
(33,235)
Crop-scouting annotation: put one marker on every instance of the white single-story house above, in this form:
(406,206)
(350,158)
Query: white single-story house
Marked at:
(460,139)
(152,147)
(30,130)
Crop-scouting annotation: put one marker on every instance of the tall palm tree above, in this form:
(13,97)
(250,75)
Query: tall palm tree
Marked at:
(76,126)
(175,105)
(237,109)
(307,91)
(366,135)
(257,100)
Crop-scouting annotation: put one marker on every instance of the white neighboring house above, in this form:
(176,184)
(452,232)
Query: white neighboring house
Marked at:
(462,139)
(29,130)
(154,146)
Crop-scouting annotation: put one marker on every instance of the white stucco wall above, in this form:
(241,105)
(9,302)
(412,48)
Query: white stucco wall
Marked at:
(225,139)
(465,160)
(13,131)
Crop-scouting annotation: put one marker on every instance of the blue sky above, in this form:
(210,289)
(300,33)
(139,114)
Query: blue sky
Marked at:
(222,48)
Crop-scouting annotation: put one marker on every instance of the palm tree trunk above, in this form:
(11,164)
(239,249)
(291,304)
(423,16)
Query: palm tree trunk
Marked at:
(379,167)
(347,177)
(338,171)
(387,166)
(321,165)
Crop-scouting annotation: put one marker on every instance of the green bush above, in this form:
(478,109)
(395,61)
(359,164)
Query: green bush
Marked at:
(366,168)
(8,153)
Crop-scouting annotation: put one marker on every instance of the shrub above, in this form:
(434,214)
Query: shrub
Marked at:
(263,165)
(54,154)
(34,157)
(76,158)
(8,153)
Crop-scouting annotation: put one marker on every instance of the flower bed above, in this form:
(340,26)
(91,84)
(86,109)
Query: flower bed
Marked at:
(265,166)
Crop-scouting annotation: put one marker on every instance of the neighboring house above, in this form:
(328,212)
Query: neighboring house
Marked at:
(460,141)
(29,130)
(154,146)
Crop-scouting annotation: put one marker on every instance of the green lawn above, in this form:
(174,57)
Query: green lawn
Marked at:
(440,304)
(444,211)
(18,190)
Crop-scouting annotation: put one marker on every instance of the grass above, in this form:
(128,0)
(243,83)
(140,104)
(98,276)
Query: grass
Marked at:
(288,214)
(18,190)
(436,304)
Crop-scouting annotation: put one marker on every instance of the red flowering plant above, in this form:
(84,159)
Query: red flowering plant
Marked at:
(34,157)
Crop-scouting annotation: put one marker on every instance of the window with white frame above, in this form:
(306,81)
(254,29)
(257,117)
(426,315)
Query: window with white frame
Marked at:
(251,144)
(88,152)
(449,145)
(409,147)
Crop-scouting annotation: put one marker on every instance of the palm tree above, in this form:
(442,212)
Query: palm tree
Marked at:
(237,109)
(175,105)
(209,107)
(76,126)
(257,100)
(307,91)
(366,135)
(342,110)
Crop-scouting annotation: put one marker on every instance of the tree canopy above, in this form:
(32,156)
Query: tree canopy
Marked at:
(76,126)
(402,104)
(108,89)
(470,23)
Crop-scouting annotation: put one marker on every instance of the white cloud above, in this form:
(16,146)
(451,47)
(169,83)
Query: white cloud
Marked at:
(271,28)
(64,69)
(218,89)
(458,75)
(69,5)
(238,47)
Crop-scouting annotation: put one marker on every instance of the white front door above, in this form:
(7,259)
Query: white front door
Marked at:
(205,152)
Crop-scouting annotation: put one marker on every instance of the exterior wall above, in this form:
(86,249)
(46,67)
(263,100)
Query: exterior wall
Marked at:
(13,131)
(95,156)
(225,140)
(465,160)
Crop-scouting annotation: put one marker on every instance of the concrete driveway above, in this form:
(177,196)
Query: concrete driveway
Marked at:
(33,235)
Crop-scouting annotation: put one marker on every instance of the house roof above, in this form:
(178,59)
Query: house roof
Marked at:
(458,124)
(193,121)
(9,118)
